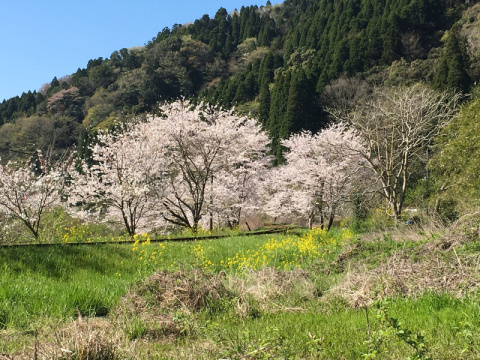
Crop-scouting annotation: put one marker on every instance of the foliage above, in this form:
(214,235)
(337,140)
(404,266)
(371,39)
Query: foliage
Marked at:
(21,139)
(454,163)
(454,64)
(278,57)
(391,327)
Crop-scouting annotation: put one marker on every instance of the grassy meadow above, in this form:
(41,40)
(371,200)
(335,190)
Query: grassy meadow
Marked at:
(305,294)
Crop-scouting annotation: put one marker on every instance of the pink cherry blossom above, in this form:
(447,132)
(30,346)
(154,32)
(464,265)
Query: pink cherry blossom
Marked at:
(28,191)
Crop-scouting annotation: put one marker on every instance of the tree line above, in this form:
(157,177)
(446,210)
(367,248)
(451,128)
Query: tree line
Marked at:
(297,66)
(273,61)
(196,166)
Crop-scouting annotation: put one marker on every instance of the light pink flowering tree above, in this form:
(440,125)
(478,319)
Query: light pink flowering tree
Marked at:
(177,168)
(125,182)
(235,189)
(213,157)
(318,176)
(29,190)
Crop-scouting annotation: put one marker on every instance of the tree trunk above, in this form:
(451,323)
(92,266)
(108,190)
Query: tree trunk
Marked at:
(211,205)
(330,221)
(396,212)
(32,229)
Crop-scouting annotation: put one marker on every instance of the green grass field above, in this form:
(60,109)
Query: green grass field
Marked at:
(303,295)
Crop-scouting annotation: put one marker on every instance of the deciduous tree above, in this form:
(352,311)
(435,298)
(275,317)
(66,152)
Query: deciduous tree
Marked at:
(125,181)
(235,189)
(177,167)
(317,179)
(395,129)
(212,157)
(455,164)
(27,191)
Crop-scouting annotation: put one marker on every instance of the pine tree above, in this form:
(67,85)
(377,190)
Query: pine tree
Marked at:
(294,106)
(278,103)
(229,46)
(267,67)
(392,47)
(452,71)
(244,15)
(55,81)
(267,32)
(250,86)
(235,28)
(264,98)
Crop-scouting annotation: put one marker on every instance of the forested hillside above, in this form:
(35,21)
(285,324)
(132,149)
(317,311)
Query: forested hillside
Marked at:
(273,61)
(286,64)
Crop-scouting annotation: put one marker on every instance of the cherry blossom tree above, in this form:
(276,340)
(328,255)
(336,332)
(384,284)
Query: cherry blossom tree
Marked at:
(29,190)
(277,197)
(235,189)
(178,167)
(61,100)
(317,179)
(124,183)
(212,157)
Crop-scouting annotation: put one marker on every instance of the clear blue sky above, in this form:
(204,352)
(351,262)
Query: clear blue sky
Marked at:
(41,39)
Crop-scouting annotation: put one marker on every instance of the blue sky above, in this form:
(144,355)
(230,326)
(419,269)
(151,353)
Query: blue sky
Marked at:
(43,39)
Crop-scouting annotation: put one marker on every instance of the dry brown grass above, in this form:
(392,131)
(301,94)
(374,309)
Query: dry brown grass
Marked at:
(83,339)
(160,307)
(186,290)
(266,286)
(270,283)
(414,233)
(6,357)
(464,230)
(434,266)
(93,339)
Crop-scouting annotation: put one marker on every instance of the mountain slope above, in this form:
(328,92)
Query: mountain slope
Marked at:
(273,61)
